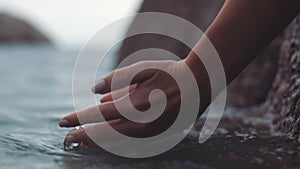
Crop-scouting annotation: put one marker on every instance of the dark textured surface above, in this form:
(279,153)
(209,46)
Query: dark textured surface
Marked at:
(253,84)
(284,97)
(13,30)
(199,12)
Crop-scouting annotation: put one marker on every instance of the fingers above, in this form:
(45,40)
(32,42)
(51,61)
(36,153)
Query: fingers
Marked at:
(104,86)
(138,99)
(69,121)
(108,111)
(118,93)
(77,138)
(91,115)
(72,120)
(101,132)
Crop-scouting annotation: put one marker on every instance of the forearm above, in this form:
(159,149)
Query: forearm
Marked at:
(242,29)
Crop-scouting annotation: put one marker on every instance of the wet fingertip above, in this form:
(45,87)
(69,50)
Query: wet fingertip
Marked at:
(70,143)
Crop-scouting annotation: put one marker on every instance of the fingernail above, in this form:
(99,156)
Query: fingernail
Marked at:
(99,87)
(70,139)
(64,123)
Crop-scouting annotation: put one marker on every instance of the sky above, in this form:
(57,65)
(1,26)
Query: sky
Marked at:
(70,23)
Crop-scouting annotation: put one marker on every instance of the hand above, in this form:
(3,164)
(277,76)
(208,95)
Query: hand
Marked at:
(137,93)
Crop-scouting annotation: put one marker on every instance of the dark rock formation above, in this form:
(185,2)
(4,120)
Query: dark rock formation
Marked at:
(250,88)
(284,97)
(206,11)
(13,30)
(253,84)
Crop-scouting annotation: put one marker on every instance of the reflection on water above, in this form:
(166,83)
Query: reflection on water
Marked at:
(36,92)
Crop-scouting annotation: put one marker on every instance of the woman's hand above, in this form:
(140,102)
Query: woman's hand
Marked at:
(138,93)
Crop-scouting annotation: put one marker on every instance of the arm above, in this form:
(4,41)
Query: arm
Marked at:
(243,28)
(240,31)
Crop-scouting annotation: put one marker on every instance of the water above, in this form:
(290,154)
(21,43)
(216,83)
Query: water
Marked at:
(36,92)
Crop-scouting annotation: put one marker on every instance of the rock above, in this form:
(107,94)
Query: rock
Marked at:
(253,84)
(284,97)
(206,11)
(14,30)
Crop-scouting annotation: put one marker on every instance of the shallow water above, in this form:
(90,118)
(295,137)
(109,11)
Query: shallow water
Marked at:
(36,92)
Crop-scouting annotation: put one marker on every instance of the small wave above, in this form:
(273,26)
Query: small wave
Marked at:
(29,144)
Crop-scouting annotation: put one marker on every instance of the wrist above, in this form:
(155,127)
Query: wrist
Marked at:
(202,78)
(199,70)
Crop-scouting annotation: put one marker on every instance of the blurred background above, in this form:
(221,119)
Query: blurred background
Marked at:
(39,44)
(69,23)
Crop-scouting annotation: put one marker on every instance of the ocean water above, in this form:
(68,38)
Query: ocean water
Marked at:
(35,92)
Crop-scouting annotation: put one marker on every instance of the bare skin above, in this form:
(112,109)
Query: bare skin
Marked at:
(240,31)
